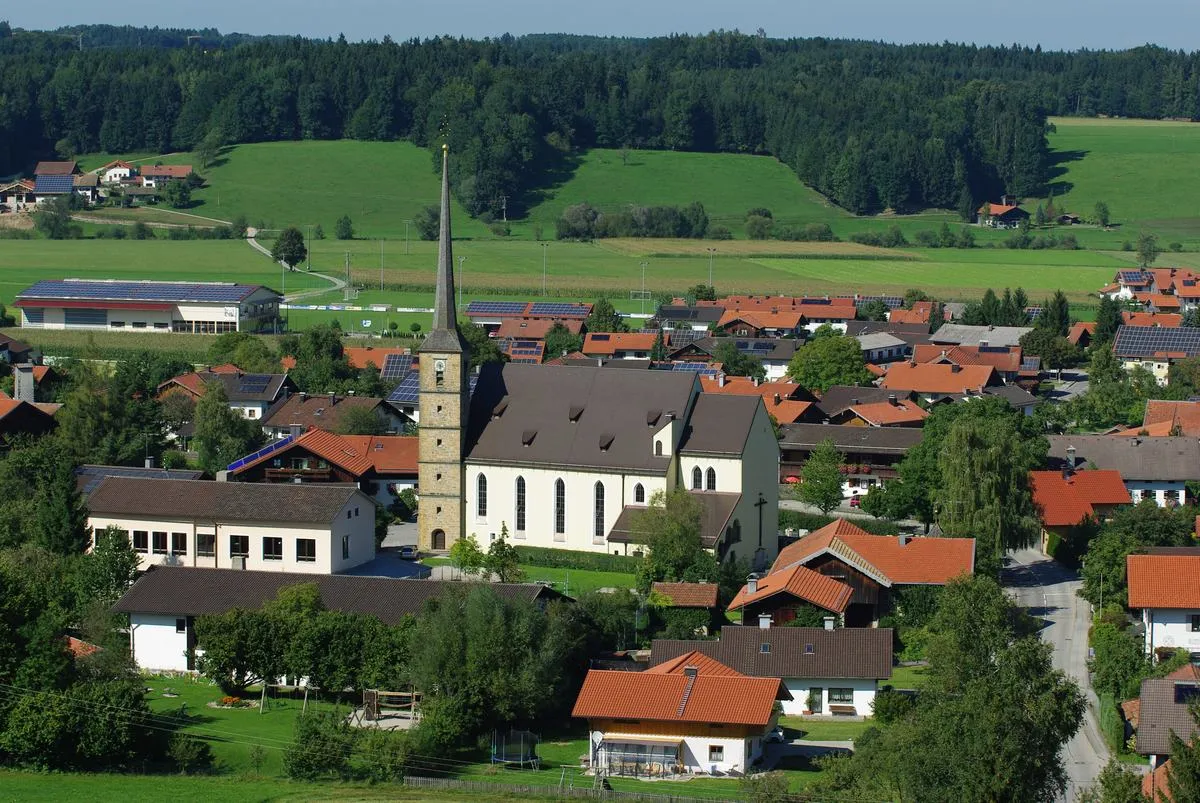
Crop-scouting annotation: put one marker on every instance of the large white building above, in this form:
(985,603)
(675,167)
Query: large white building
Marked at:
(1165,586)
(140,306)
(307,529)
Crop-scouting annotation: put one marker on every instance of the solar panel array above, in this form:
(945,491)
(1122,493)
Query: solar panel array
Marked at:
(54,184)
(496,307)
(681,337)
(255,383)
(407,392)
(1033,312)
(1132,276)
(547,309)
(96,474)
(395,366)
(755,347)
(1146,341)
(892,302)
(136,291)
(263,452)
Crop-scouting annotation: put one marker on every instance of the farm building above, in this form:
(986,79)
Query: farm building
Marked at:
(124,306)
(1007,214)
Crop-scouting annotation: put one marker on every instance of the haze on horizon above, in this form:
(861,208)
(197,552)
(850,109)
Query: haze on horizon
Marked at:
(1100,24)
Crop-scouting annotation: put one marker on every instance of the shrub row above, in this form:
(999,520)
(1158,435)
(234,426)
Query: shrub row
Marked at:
(1111,724)
(587,561)
(815,521)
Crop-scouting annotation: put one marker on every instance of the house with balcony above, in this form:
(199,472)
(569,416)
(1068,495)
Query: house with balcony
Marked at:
(1150,468)
(870,454)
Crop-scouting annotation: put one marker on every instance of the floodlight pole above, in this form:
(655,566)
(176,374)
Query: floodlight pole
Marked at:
(381,266)
(643,288)
(710,251)
(406,237)
(461,260)
(545,248)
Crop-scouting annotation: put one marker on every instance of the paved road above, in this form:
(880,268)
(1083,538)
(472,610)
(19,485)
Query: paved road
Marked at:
(1048,589)
(291,298)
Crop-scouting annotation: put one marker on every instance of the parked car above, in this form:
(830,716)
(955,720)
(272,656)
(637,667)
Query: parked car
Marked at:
(776,735)
(855,501)
(409,552)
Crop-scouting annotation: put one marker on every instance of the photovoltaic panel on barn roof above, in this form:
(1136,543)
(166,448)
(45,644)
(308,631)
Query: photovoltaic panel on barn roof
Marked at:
(54,185)
(137,291)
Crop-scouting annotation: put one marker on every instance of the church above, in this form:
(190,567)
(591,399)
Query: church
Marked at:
(565,457)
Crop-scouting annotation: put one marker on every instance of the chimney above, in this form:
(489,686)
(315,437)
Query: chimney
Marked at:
(764,621)
(303,397)
(1135,441)
(855,401)
(149,461)
(829,620)
(752,584)
(332,398)
(24,388)
(294,430)
(777,399)
(690,671)
(1071,457)
(892,400)
(902,539)
(721,379)
(756,381)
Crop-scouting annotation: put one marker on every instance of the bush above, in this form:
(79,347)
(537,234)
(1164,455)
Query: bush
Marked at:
(765,787)
(892,238)
(815,521)
(500,229)
(321,748)
(382,757)
(188,753)
(890,705)
(758,227)
(587,561)
(719,233)
(1111,723)
(1175,247)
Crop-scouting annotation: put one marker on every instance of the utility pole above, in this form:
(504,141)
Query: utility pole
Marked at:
(644,288)
(381,266)
(461,260)
(504,208)
(406,236)
(545,248)
(710,251)
(308,247)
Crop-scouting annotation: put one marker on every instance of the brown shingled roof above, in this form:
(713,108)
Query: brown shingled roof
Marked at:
(688,595)
(222,501)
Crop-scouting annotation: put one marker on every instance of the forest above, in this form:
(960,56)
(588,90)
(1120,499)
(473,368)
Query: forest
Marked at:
(870,125)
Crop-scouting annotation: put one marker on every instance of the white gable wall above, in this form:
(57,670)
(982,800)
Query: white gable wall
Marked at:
(156,644)
(1170,628)
(863,694)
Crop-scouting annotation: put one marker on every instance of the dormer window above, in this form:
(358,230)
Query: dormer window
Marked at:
(765,647)
(808,649)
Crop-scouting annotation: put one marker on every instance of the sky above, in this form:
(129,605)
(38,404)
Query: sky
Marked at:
(1054,24)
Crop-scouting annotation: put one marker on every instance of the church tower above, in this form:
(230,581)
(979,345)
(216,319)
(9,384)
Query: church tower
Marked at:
(444,401)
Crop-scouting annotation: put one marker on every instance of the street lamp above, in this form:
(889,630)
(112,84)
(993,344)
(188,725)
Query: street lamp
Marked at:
(711,252)
(644,288)
(461,260)
(406,236)
(545,249)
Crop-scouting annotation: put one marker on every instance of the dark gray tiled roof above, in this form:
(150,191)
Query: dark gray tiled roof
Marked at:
(840,398)
(879,440)
(720,424)
(1168,458)
(1161,714)
(534,425)
(677,312)
(222,501)
(716,510)
(966,335)
(87,478)
(779,349)
(847,652)
(189,591)
(323,411)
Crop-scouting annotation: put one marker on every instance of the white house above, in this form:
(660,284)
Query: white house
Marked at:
(114,172)
(1165,585)
(249,395)
(834,671)
(308,529)
(692,715)
(139,306)
(164,603)
(1151,468)
(566,457)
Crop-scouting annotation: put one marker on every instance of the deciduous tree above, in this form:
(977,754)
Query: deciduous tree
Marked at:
(289,248)
(821,477)
(343,229)
(825,362)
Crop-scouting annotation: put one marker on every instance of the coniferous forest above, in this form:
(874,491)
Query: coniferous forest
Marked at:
(870,125)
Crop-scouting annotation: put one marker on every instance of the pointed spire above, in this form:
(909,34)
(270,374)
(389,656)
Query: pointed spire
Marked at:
(443,335)
(444,316)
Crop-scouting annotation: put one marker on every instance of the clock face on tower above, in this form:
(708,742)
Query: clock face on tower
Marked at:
(439,365)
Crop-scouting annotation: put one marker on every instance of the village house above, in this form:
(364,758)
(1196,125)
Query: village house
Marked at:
(827,672)
(1168,320)
(165,602)
(1066,498)
(1151,468)
(692,715)
(381,466)
(18,195)
(870,454)
(1165,709)
(18,418)
(786,401)
(777,595)
(140,306)
(890,413)
(961,334)
(1007,214)
(300,412)
(491,314)
(1155,348)
(875,567)
(249,395)
(1009,361)
(761,323)
(310,529)
(157,176)
(89,477)
(933,382)
(622,345)
(1081,333)
(882,347)
(775,353)
(115,172)
(701,596)
(1164,585)
(682,316)
(1164,418)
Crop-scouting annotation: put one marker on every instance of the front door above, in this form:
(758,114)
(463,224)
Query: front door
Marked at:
(439,540)
(816,697)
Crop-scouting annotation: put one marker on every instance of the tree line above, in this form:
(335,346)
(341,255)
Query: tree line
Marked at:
(872,126)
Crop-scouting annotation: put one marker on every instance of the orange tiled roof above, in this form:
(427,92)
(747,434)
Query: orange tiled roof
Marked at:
(997,210)
(357,454)
(919,561)
(1077,330)
(714,697)
(1167,320)
(799,581)
(688,595)
(1186,672)
(169,171)
(937,377)
(609,343)
(1002,360)
(80,648)
(703,663)
(1184,414)
(875,370)
(1163,581)
(883,414)
(1159,430)
(762,319)
(908,316)
(1156,784)
(1066,502)
(225,368)
(1158,300)
(40,372)
(745,386)
(361,356)
(1132,709)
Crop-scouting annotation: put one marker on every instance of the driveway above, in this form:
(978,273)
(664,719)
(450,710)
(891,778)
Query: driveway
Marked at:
(1074,383)
(1048,590)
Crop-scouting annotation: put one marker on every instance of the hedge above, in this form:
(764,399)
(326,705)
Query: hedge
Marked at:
(815,521)
(1111,723)
(567,559)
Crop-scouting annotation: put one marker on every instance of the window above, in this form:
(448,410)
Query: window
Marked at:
(306,550)
(716,752)
(139,324)
(598,521)
(808,649)
(206,544)
(1195,623)
(765,647)
(178,543)
(843,696)
(117,324)
(697,479)
(816,699)
(481,496)
(560,507)
(272,547)
(141,541)
(160,543)
(520,517)
(710,480)
(162,326)
(239,546)
(439,377)
(345,547)
(658,448)
(181,625)
(356,512)
(639,494)
(349,514)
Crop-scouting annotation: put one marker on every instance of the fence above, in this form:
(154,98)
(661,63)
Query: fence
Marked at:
(561,792)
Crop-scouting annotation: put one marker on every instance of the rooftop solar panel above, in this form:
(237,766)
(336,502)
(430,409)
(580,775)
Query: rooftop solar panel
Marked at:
(263,452)
(496,307)
(137,291)
(1147,341)
(395,366)
(406,392)
(96,474)
(559,310)
(681,337)
(54,184)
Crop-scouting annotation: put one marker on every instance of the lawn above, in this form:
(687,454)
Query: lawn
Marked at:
(568,581)
(908,677)
(824,730)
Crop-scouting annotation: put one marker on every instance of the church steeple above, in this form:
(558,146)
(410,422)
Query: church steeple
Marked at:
(444,336)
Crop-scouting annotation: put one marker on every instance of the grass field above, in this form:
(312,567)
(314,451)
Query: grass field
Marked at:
(908,677)
(827,730)
(568,581)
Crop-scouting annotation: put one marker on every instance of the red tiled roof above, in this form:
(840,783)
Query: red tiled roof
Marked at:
(937,377)
(609,343)
(1002,360)
(54,169)
(1066,502)
(1155,784)
(997,210)
(225,368)
(762,319)
(357,454)
(909,316)
(1182,414)
(715,697)
(1167,320)
(1077,330)
(801,582)
(1132,709)
(1189,672)
(919,561)
(80,648)
(688,595)
(704,664)
(875,370)
(745,386)
(169,171)
(361,356)
(883,414)
(1163,581)
(1158,300)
